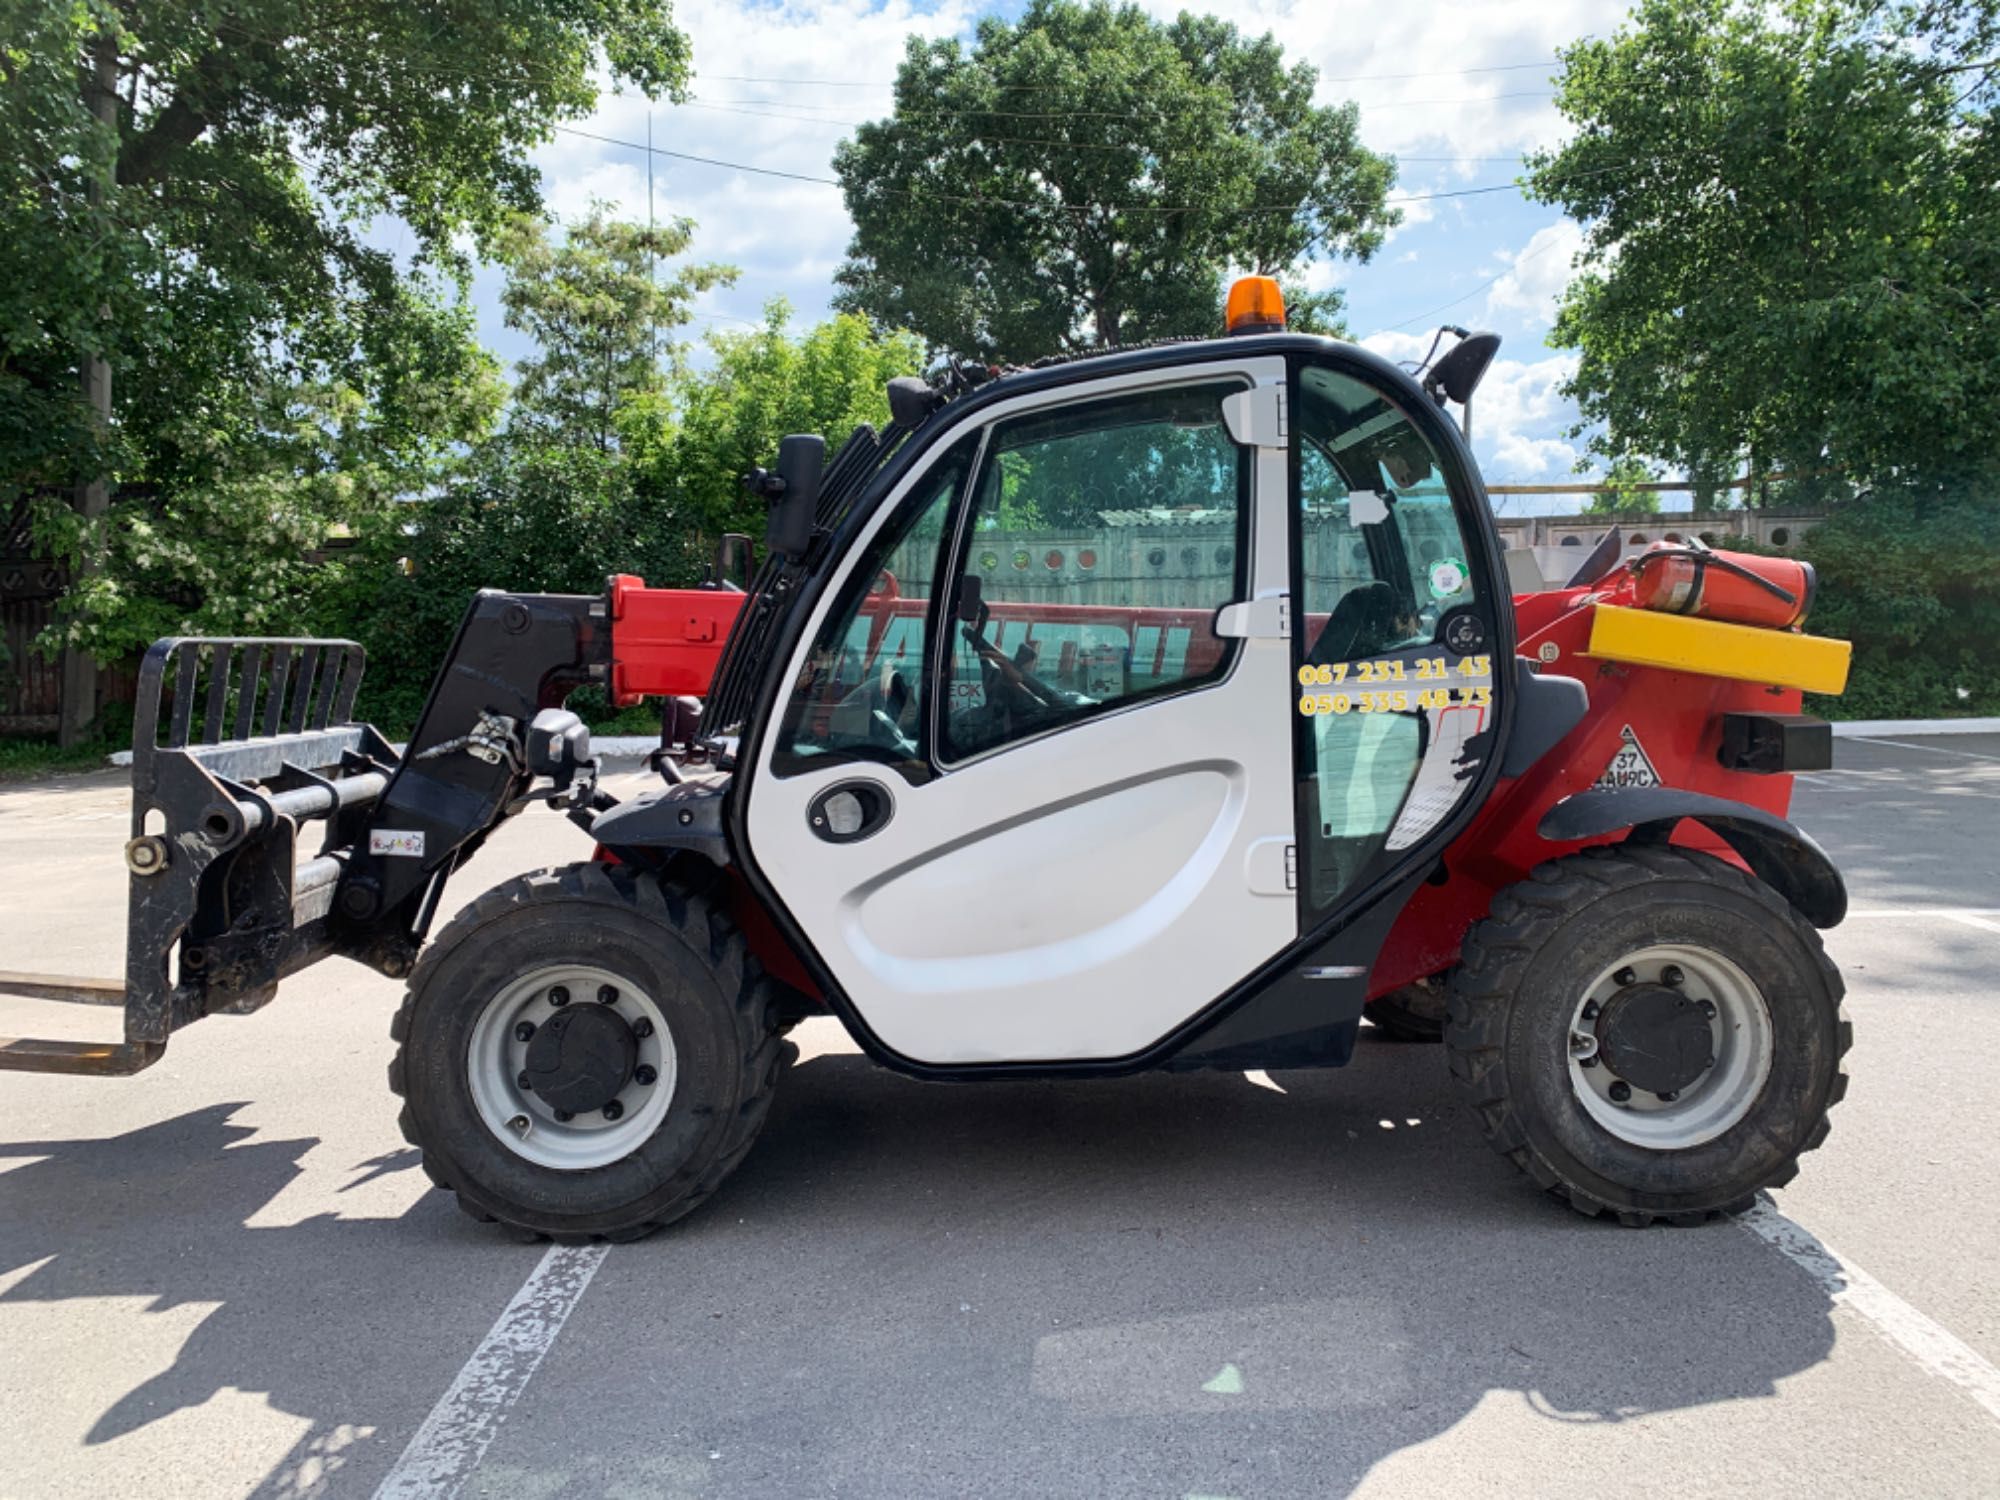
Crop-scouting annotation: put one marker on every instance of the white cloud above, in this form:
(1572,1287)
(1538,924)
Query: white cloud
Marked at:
(1516,456)
(1473,113)
(1518,415)
(1521,395)
(1538,274)
(770,226)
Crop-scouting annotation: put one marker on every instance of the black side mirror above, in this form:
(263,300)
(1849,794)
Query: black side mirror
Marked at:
(1458,374)
(792,490)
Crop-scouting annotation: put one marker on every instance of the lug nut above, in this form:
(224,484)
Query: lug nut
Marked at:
(558,996)
(1624,977)
(1590,1010)
(642,1028)
(527,1084)
(1668,1097)
(1708,1009)
(647,1074)
(523,1030)
(563,1117)
(607,994)
(1672,975)
(613,1110)
(1620,1091)
(519,1124)
(1587,1062)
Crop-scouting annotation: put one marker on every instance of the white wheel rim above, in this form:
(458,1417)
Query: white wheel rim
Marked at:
(526,1124)
(1739,1028)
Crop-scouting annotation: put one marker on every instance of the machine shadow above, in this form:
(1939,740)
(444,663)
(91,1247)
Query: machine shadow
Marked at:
(1017,1280)
(353,1324)
(1310,1275)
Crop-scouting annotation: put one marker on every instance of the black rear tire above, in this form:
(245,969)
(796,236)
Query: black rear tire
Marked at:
(1527,967)
(676,945)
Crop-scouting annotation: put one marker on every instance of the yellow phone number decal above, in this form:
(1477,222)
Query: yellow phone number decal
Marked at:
(1363,698)
(1394,701)
(1424,669)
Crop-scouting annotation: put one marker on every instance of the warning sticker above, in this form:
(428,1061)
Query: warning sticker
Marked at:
(399,842)
(1630,767)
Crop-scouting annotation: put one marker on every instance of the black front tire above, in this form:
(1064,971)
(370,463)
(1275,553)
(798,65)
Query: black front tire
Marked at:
(1528,965)
(674,943)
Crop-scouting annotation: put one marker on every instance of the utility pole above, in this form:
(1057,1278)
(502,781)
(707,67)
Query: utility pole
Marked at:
(78,705)
(652,313)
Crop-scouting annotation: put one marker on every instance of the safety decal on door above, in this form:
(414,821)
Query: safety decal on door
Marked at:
(1630,767)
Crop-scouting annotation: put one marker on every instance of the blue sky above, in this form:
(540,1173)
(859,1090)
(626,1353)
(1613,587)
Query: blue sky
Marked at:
(1456,91)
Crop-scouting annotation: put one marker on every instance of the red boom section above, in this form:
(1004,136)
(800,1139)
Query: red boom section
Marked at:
(665,643)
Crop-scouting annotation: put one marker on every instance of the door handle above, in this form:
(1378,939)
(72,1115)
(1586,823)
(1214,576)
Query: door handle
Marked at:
(849,811)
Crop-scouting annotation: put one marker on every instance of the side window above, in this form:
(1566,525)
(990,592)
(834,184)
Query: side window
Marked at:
(1395,675)
(859,695)
(1384,557)
(1103,538)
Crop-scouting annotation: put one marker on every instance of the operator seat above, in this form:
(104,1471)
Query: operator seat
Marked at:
(1364,623)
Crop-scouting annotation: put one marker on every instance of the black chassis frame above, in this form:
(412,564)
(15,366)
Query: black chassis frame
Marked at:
(1302,1008)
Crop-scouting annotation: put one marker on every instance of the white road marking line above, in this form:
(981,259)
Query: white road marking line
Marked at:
(1956,913)
(1972,921)
(1936,1350)
(462,1426)
(1934,749)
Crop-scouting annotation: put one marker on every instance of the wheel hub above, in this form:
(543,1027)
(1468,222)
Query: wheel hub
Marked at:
(572,1066)
(1670,1046)
(1655,1037)
(581,1058)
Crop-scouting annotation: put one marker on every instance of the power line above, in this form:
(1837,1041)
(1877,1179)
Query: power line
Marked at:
(1014,140)
(1513,265)
(1276,208)
(1039,88)
(930,111)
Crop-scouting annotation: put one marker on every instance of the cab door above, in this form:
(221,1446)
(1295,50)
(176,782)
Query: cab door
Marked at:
(1030,795)
(1403,637)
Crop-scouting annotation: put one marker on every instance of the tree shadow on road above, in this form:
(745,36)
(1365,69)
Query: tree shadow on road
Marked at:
(1159,1285)
(347,1322)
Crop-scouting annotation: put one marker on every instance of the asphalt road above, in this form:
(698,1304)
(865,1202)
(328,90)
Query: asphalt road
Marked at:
(225,1276)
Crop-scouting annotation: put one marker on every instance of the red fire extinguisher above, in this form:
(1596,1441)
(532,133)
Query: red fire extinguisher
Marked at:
(1688,578)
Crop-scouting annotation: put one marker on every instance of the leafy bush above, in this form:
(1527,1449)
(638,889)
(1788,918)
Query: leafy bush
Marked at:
(1914,583)
(532,517)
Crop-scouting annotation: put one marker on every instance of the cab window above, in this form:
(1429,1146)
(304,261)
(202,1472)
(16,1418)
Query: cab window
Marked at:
(1394,675)
(1102,540)
(860,693)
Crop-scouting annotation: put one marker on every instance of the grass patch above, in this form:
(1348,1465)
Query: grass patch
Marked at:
(21,759)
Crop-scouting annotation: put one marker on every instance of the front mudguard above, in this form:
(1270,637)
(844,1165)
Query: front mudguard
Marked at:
(685,815)
(1779,853)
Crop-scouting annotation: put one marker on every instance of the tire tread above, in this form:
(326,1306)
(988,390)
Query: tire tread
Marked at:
(684,901)
(1495,958)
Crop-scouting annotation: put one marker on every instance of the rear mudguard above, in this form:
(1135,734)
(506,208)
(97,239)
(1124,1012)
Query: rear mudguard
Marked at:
(1778,852)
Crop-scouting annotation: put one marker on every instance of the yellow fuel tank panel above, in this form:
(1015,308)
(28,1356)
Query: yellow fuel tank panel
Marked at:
(1746,653)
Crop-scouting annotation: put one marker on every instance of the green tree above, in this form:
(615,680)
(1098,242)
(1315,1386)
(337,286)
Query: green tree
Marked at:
(1792,258)
(722,420)
(1086,175)
(189,188)
(598,311)
(1624,497)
